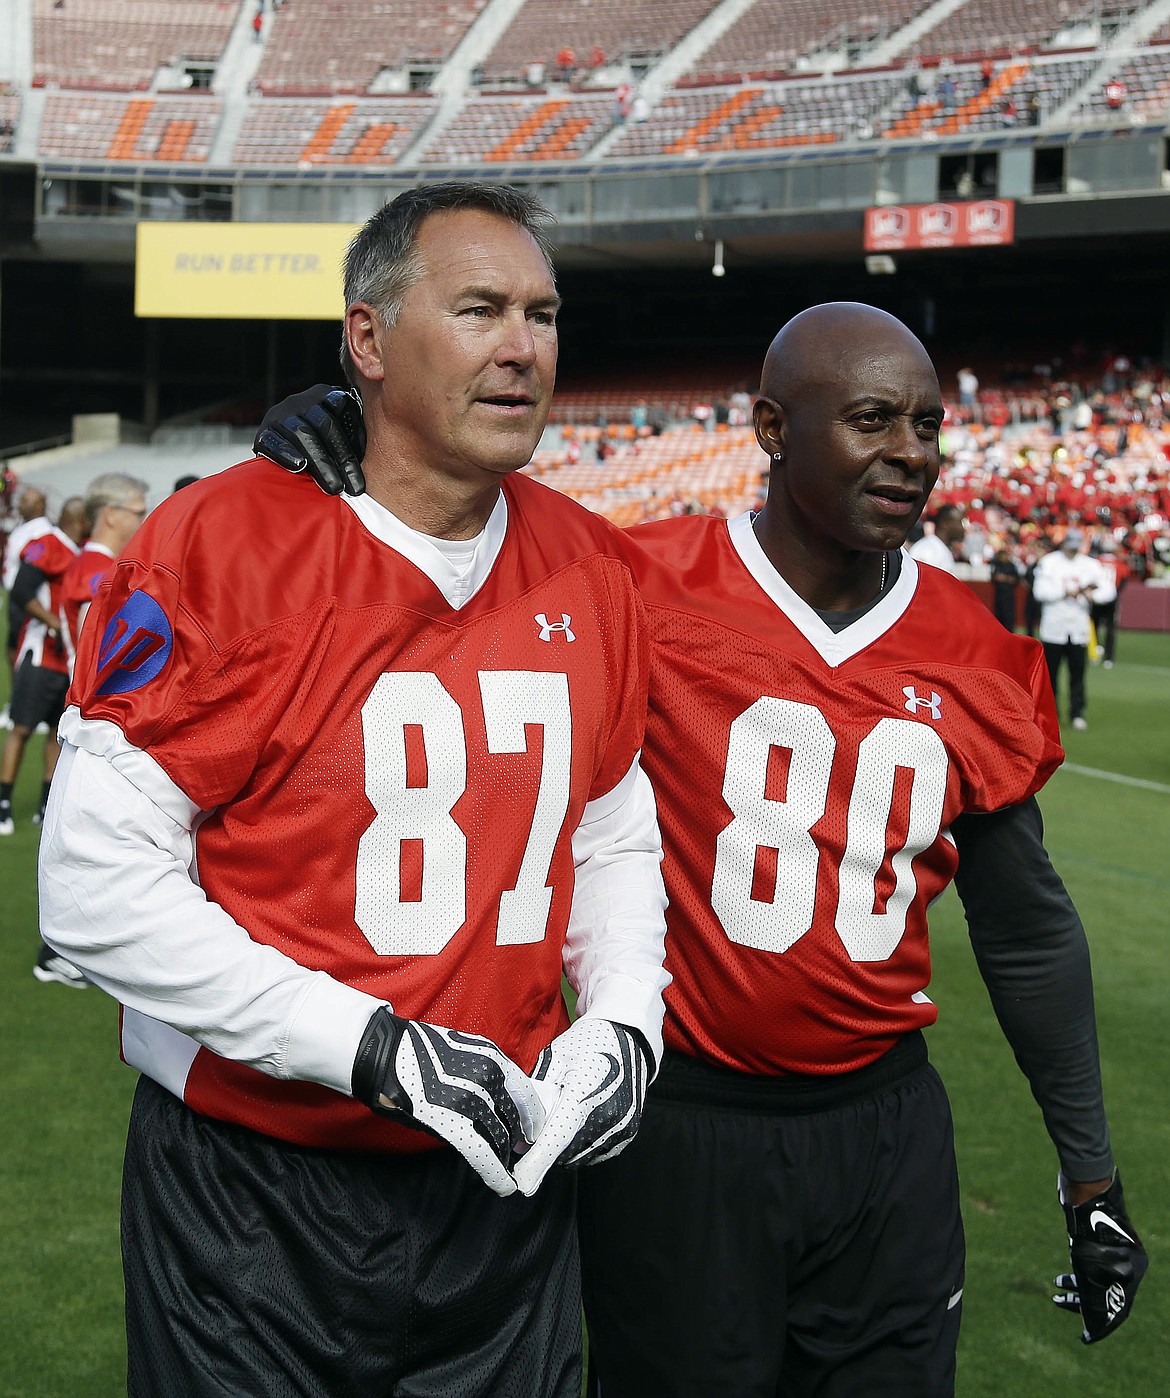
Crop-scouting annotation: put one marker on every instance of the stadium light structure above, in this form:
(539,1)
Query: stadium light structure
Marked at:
(717,267)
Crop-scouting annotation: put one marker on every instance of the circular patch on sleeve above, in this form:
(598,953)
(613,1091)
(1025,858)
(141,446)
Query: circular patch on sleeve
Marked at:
(136,645)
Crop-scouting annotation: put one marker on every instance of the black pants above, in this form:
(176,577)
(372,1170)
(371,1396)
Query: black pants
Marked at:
(1074,656)
(737,1248)
(261,1270)
(1105,620)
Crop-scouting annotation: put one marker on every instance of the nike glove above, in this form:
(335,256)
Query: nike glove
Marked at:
(321,431)
(458,1086)
(1108,1262)
(593,1079)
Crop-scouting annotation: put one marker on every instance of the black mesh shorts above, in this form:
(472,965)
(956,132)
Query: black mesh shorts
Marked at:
(38,695)
(753,1244)
(263,1270)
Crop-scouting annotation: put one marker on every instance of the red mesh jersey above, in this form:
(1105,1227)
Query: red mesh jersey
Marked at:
(53,556)
(377,765)
(80,584)
(805,787)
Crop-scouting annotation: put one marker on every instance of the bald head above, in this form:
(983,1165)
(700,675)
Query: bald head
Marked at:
(73,520)
(826,343)
(31,503)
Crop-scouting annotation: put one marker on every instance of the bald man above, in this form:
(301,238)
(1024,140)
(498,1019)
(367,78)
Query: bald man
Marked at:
(834,734)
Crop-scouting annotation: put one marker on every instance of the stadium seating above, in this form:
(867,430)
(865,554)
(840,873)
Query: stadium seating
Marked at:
(798,112)
(616,29)
(372,131)
(1146,77)
(1002,27)
(341,47)
(769,38)
(104,126)
(93,44)
(497,129)
(685,469)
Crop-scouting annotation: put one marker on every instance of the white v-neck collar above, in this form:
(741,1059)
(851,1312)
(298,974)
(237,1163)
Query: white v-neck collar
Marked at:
(458,584)
(834,647)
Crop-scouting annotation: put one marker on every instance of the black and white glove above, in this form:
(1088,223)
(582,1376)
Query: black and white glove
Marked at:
(1108,1262)
(321,431)
(593,1079)
(458,1086)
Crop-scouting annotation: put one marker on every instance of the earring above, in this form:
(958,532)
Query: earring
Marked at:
(777,456)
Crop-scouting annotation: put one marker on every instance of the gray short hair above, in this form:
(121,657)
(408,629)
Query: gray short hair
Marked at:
(114,488)
(382,262)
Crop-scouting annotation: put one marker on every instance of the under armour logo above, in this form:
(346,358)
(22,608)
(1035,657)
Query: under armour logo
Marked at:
(913,703)
(548,627)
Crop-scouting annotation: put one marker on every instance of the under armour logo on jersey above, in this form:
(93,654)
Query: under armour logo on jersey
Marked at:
(914,703)
(548,627)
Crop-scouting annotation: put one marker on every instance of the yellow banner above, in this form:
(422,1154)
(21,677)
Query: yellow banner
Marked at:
(241,271)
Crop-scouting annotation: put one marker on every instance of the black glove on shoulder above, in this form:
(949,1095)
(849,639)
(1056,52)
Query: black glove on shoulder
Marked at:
(321,431)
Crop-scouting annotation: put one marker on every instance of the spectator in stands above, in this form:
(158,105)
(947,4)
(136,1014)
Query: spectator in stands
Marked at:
(938,549)
(1009,112)
(946,93)
(1115,94)
(1066,586)
(566,62)
(258,23)
(986,73)
(968,383)
(42,657)
(597,57)
(184,481)
(1033,108)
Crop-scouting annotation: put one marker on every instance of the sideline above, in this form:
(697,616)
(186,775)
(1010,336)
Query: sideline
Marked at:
(1114,777)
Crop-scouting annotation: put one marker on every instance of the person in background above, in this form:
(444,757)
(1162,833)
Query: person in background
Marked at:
(1066,585)
(938,549)
(42,656)
(1107,598)
(34,523)
(1005,585)
(115,505)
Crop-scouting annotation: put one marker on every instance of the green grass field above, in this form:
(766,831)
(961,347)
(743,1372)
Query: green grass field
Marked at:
(64,1097)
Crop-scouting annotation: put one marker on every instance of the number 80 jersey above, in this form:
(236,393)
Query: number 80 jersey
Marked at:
(806,781)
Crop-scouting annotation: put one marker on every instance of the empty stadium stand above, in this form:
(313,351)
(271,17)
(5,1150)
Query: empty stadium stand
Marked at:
(341,47)
(497,129)
(105,126)
(92,44)
(616,29)
(771,36)
(371,131)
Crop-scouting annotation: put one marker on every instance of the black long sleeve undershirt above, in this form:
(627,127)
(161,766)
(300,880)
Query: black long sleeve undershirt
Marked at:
(28,582)
(1033,955)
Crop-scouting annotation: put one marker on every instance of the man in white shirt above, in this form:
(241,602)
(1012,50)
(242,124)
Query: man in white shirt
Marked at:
(938,549)
(1067,584)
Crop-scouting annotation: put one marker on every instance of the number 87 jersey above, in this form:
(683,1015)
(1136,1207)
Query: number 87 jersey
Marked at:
(806,782)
